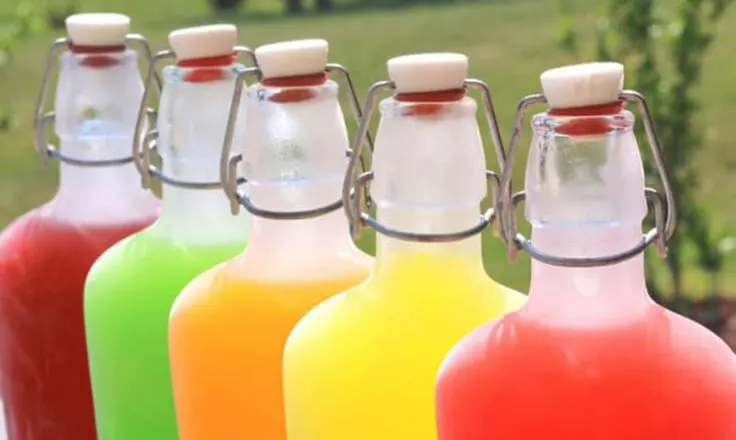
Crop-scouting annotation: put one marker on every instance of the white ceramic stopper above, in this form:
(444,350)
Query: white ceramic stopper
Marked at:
(97,29)
(428,72)
(583,85)
(208,41)
(292,58)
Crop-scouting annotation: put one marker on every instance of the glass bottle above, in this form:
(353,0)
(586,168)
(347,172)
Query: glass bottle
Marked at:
(228,327)
(131,288)
(362,365)
(590,356)
(45,254)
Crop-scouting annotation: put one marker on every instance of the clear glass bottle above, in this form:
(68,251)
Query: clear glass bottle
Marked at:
(228,327)
(362,365)
(131,288)
(46,254)
(590,356)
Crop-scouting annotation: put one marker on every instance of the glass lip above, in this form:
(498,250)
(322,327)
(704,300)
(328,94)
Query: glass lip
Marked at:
(543,122)
(173,73)
(390,107)
(328,84)
(328,90)
(68,57)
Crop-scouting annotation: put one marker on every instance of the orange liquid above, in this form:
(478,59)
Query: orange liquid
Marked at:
(227,334)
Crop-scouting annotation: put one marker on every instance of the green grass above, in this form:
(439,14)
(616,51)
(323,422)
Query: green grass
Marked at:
(509,43)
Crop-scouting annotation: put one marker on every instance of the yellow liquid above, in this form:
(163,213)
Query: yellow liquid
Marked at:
(362,365)
(227,333)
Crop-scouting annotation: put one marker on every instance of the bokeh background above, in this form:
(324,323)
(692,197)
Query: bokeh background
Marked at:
(679,53)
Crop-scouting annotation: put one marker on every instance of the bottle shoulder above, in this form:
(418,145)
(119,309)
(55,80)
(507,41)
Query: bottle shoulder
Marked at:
(382,315)
(41,232)
(613,382)
(264,264)
(145,263)
(235,285)
(114,261)
(704,349)
(22,226)
(660,344)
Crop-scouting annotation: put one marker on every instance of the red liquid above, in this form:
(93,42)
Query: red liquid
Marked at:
(660,377)
(43,359)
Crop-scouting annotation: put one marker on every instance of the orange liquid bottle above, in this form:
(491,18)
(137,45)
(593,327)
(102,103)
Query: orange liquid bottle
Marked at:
(590,356)
(228,328)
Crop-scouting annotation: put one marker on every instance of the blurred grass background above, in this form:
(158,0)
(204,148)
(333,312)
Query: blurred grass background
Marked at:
(509,42)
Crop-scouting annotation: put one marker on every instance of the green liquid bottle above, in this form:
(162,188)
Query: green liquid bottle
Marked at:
(130,289)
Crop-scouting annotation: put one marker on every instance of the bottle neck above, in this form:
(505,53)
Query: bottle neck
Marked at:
(198,216)
(585,198)
(439,221)
(295,161)
(326,235)
(96,105)
(429,177)
(193,114)
(587,295)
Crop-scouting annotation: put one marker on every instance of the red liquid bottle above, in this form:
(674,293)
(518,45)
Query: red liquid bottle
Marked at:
(590,356)
(45,255)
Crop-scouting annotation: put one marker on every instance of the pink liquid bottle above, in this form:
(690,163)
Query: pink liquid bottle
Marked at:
(45,254)
(590,356)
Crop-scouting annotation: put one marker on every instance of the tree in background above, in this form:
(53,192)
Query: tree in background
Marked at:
(297,7)
(663,44)
(226,5)
(22,24)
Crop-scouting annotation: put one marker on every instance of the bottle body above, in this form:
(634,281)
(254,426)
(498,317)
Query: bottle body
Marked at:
(131,288)
(228,327)
(46,386)
(657,376)
(128,298)
(228,330)
(46,254)
(590,355)
(362,365)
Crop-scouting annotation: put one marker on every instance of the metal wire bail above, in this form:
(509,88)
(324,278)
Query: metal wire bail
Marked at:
(229,165)
(142,150)
(43,119)
(664,207)
(354,195)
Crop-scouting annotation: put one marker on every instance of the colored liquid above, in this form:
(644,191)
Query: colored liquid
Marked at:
(128,298)
(362,365)
(3,428)
(227,335)
(43,359)
(658,376)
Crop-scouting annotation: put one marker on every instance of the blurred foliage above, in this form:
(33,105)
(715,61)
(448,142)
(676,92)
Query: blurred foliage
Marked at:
(24,22)
(292,7)
(57,14)
(226,5)
(635,32)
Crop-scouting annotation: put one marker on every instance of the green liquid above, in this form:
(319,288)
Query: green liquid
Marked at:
(128,296)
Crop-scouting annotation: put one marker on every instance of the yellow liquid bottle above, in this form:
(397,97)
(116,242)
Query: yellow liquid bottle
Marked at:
(228,328)
(362,365)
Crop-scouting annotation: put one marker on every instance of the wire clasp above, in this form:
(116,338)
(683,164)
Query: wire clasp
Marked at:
(664,206)
(355,197)
(229,165)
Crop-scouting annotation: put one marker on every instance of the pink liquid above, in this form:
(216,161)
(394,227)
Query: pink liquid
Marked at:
(658,377)
(43,359)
